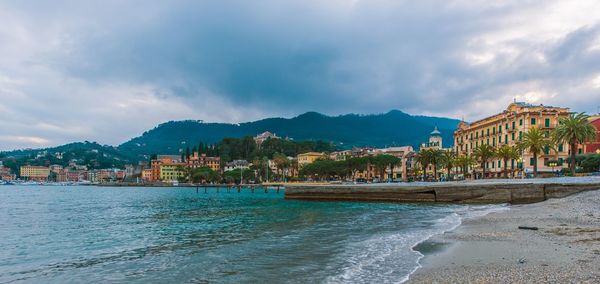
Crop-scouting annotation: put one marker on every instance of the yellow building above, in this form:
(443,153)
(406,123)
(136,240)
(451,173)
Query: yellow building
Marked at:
(35,173)
(171,172)
(214,163)
(147,174)
(507,128)
(307,158)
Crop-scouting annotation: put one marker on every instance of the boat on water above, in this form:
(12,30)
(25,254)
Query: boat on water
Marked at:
(4,182)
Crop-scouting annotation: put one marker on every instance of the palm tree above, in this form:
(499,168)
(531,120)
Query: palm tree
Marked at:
(465,161)
(424,158)
(394,161)
(574,130)
(507,153)
(484,154)
(449,160)
(534,141)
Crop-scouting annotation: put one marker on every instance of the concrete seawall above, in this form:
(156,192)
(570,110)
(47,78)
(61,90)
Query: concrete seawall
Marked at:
(450,192)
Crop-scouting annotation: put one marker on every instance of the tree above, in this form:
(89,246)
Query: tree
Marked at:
(483,154)
(448,160)
(281,162)
(506,153)
(356,164)
(535,141)
(464,162)
(424,158)
(574,129)
(382,162)
(437,159)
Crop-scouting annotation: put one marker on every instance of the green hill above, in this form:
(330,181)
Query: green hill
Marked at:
(394,128)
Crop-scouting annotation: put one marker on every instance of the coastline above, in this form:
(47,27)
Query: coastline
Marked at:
(566,248)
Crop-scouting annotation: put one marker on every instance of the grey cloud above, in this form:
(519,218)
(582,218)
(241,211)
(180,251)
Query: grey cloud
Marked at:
(241,60)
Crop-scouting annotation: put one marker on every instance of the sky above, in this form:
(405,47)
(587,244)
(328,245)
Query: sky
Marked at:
(107,71)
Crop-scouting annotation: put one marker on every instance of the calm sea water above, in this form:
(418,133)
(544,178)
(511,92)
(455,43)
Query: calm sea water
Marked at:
(175,235)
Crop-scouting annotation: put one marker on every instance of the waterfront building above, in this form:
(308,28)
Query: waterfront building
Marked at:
(307,158)
(6,174)
(201,160)
(236,165)
(92,176)
(35,173)
(160,160)
(592,147)
(146,175)
(129,170)
(507,128)
(171,172)
(60,175)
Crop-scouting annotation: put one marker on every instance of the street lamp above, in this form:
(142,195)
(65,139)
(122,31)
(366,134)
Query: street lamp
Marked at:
(521,167)
(598,152)
(552,165)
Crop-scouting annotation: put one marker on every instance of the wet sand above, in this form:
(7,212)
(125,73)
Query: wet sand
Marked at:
(491,249)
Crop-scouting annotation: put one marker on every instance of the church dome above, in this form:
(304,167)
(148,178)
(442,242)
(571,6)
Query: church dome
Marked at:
(435,132)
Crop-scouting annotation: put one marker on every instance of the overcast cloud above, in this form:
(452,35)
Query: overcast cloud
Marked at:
(109,70)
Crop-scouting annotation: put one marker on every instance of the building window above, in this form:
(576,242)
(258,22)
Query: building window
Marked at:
(520,136)
(520,122)
(560,147)
(499,139)
(513,125)
(547,122)
(513,136)
(476,135)
(500,129)
(546,150)
(499,163)
(512,163)
(545,161)
(506,138)
(494,130)
(494,142)
(488,132)
(531,161)
(488,141)
(533,121)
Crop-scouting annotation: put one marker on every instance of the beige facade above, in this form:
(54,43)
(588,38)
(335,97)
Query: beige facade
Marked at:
(146,174)
(507,128)
(307,158)
(35,173)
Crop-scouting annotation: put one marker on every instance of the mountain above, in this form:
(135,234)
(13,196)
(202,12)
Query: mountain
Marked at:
(380,130)
(90,154)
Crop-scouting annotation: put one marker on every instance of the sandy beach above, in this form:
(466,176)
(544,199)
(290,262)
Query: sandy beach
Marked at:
(492,249)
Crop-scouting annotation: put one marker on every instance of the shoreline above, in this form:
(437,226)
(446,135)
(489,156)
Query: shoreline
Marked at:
(491,248)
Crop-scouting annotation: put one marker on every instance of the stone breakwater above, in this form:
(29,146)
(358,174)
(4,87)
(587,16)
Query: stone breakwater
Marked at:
(497,191)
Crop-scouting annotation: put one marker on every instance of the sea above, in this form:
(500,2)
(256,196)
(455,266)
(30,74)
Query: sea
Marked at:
(77,234)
